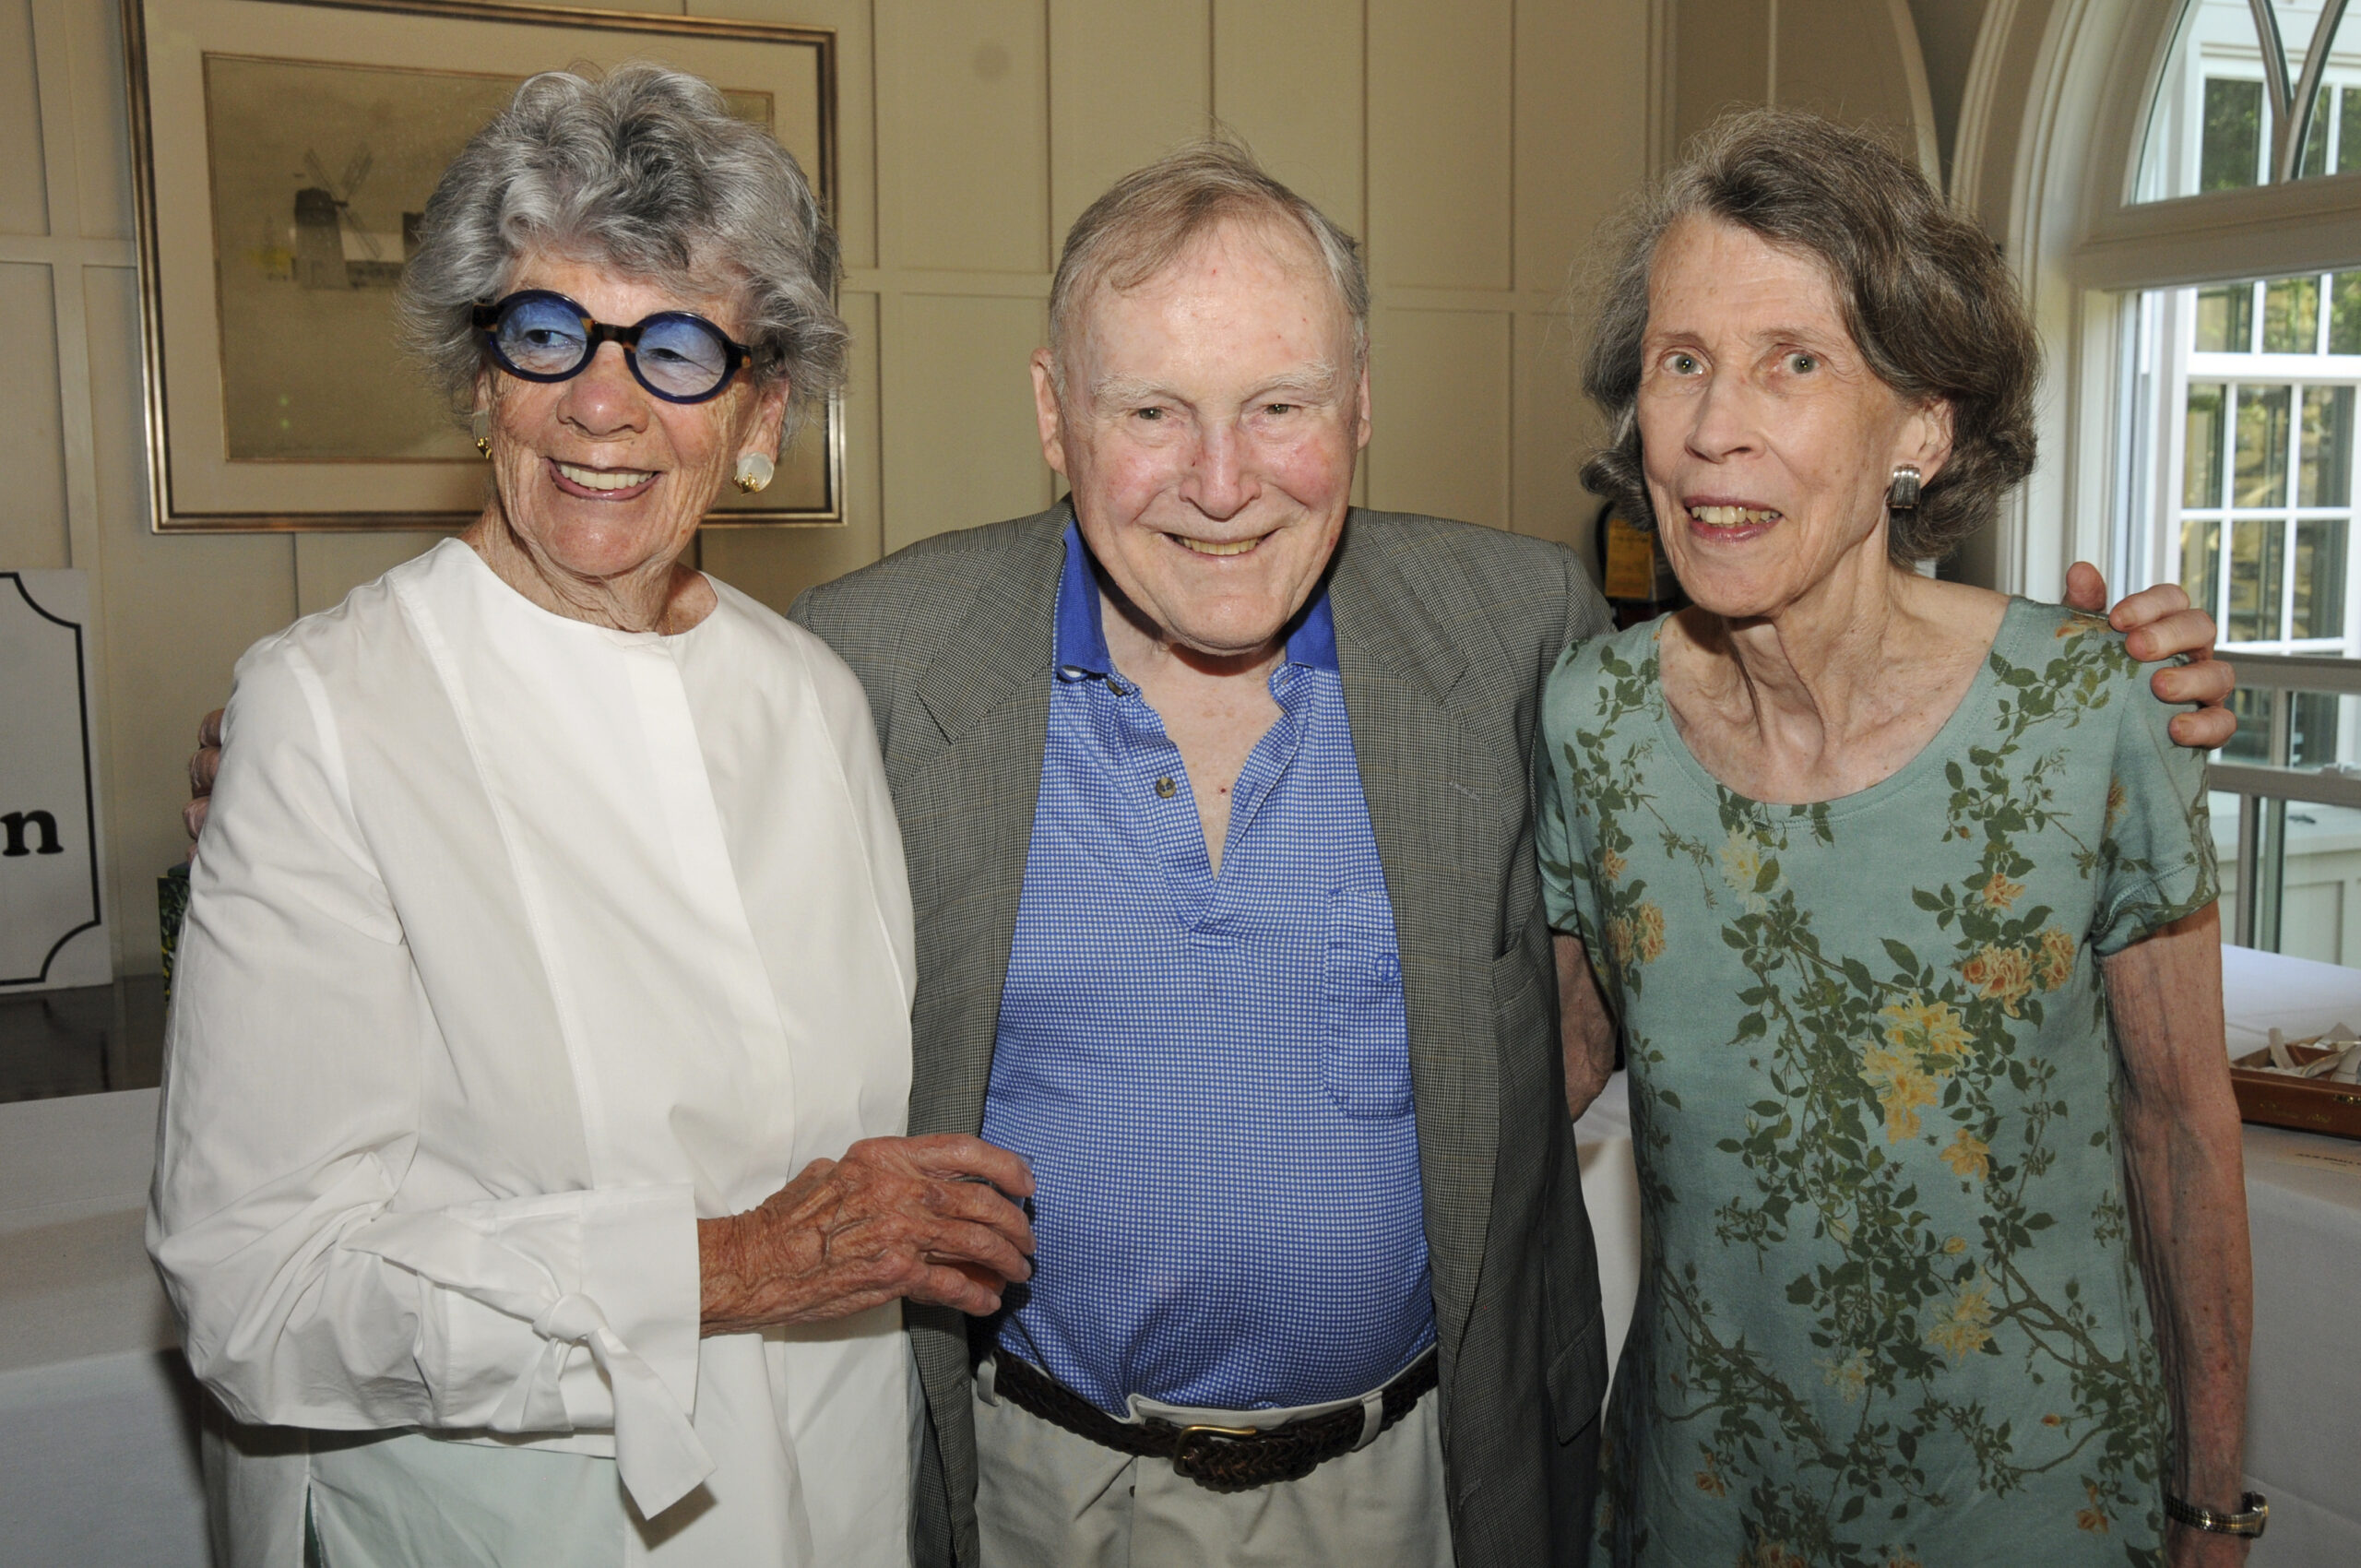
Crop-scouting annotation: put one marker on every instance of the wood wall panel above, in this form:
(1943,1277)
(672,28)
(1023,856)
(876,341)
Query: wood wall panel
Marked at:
(1441,143)
(1129,80)
(1439,391)
(24,193)
(1852,60)
(1857,60)
(1578,147)
(963,131)
(88,34)
(32,450)
(1556,430)
(1722,49)
(961,446)
(1288,79)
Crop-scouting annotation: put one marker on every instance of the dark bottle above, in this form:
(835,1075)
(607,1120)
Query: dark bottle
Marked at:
(1633,573)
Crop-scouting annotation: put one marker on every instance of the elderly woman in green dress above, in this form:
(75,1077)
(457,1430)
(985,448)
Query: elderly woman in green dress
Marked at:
(1903,899)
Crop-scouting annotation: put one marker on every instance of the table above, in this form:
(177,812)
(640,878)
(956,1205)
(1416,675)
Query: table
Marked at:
(2304,1212)
(97,1412)
(2261,992)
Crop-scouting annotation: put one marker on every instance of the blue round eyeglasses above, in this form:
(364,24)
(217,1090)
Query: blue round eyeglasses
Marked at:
(540,335)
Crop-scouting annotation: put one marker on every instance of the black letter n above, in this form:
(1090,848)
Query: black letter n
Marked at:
(16,822)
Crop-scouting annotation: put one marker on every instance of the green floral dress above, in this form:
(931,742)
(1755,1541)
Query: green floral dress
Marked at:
(1889,1311)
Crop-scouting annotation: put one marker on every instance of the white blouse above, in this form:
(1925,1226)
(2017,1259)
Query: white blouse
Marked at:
(515,947)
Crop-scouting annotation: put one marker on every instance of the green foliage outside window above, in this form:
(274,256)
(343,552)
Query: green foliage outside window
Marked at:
(2201,454)
(2225,319)
(2261,479)
(2231,154)
(2290,315)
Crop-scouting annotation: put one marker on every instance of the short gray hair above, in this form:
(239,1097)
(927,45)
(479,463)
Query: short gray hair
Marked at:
(645,169)
(1151,216)
(1924,291)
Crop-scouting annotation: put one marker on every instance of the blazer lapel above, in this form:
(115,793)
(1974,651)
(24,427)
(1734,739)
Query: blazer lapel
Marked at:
(1399,672)
(1007,638)
(967,814)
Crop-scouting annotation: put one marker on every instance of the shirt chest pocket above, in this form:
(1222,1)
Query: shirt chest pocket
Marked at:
(1364,1041)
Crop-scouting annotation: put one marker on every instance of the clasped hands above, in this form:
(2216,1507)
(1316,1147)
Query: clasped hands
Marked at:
(932,1218)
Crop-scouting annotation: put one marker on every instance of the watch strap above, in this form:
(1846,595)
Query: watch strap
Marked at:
(2253,1513)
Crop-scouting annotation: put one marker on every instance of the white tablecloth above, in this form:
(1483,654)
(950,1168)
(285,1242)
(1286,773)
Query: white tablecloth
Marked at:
(97,1413)
(2261,992)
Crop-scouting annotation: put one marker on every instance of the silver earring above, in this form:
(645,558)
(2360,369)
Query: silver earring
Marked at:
(483,425)
(754,472)
(1902,495)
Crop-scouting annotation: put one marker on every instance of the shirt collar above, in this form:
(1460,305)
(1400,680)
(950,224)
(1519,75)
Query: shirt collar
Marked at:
(1081,649)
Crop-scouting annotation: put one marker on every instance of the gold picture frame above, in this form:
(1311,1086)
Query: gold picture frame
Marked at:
(281,152)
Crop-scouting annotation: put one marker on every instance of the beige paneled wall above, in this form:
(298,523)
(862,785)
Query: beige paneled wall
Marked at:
(1852,60)
(1474,145)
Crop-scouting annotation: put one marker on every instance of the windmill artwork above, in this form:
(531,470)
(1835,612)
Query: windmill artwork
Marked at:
(333,250)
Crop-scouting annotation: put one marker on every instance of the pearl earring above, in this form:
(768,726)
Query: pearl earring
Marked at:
(754,472)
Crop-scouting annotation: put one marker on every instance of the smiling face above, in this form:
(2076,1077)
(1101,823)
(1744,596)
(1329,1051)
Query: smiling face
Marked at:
(597,478)
(1208,428)
(1767,441)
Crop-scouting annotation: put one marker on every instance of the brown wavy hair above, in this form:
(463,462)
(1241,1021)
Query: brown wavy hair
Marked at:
(1923,291)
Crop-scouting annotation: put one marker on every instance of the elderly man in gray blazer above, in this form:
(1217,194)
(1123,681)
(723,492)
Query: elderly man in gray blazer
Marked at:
(1213,793)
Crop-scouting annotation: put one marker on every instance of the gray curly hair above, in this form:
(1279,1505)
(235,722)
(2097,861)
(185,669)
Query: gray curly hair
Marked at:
(644,169)
(1924,293)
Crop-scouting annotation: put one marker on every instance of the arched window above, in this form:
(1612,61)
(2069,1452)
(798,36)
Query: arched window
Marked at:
(2181,188)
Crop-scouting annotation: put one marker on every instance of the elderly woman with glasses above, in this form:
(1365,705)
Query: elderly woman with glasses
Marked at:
(1902,900)
(530,1184)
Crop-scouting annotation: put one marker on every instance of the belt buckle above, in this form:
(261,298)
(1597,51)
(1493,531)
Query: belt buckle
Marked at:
(1205,1437)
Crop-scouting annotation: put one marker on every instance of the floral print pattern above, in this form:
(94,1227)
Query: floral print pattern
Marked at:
(1890,1312)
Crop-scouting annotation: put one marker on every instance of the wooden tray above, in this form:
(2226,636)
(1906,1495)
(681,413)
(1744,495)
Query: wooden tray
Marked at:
(2276,1099)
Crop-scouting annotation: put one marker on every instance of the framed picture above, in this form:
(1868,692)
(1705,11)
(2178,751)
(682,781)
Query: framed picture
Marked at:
(283,152)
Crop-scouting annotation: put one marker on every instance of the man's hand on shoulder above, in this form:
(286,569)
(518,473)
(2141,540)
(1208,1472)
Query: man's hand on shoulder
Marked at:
(2158,623)
(203,767)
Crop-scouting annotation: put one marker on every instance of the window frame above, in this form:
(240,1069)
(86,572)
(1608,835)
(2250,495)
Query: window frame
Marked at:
(2049,131)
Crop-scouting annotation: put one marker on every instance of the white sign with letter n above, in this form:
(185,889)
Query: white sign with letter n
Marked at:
(53,925)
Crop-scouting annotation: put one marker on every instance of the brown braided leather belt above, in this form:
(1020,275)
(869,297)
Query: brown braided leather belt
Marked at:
(1218,1458)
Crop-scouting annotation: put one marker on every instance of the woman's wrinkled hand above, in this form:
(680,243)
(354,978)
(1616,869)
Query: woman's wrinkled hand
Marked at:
(203,767)
(2158,623)
(933,1218)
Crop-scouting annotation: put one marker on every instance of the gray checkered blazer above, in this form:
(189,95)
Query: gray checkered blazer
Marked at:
(1444,632)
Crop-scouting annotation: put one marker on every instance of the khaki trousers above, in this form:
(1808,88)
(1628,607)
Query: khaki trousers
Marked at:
(1045,1498)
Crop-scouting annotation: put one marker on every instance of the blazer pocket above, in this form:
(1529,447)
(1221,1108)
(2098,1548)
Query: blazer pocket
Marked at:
(1364,1042)
(1578,1381)
(1519,1003)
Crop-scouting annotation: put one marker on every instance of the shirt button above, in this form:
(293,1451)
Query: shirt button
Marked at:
(1166,789)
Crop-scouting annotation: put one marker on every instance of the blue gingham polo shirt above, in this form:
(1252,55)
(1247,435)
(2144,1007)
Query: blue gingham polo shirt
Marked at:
(1210,1075)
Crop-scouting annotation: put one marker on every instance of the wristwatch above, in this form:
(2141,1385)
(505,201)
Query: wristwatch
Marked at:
(2254,1513)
